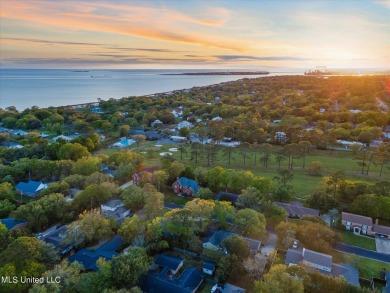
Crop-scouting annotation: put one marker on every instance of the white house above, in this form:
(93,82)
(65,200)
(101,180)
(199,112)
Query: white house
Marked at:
(183,124)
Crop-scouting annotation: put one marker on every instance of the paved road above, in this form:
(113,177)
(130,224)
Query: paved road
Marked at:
(363,252)
(171,206)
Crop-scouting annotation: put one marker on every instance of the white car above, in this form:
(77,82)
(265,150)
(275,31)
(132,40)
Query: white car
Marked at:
(295,244)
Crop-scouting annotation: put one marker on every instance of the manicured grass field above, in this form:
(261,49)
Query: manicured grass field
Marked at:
(304,184)
(367,268)
(356,240)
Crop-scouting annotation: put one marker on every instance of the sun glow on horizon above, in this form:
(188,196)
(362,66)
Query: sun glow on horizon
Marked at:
(169,34)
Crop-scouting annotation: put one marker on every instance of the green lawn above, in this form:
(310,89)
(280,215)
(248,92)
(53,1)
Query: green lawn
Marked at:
(304,184)
(356,240)
(169,196)
(367,268)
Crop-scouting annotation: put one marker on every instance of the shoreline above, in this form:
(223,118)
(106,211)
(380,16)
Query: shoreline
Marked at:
(221,73)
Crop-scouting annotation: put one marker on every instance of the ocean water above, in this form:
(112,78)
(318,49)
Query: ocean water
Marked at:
(24,88)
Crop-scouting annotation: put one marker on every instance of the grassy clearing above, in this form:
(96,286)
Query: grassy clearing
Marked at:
(356,240)
(367,268)
(169,196)
(304,184)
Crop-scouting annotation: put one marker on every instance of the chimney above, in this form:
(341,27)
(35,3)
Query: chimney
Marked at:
(376,222)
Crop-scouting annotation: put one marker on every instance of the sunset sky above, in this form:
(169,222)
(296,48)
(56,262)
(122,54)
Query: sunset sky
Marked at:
(194,34)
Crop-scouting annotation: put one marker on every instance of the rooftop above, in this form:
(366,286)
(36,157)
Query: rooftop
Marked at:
(11,223)
(293,209)
(317,258)
(168,261)
(363,220)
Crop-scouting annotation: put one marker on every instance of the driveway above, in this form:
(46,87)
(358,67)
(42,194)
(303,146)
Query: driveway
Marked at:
(270,244)
(363,252)
(382,245)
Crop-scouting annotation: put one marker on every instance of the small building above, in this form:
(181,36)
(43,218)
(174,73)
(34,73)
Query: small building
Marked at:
(174,263)
(139,176)
(356,223)
(31,188)
(88,257)
(115,208)
(11,223)
(186,186)
(323,263)
(208,268)
(183,124)
(297,210)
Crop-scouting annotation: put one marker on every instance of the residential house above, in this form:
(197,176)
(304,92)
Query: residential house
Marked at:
(208,268)
(11,223)
(215,239)
(356,223)
(183,124)
(281,137)
(186,186)
(165,279)
(115,208)
(297,210)
(107,170)
(137,177)
(57,237)
(88,257)
(174,263)
(31,188)
(323,263)
(178,113)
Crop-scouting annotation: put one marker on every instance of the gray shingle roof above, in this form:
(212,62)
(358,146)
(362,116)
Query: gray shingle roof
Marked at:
(293,256)
(114,203)
(317,258)
(381,229)
(297,210)
(362,220)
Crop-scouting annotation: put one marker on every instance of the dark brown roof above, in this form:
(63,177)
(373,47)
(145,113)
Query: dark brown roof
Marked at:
(381,229)
(317,258)
(358,219)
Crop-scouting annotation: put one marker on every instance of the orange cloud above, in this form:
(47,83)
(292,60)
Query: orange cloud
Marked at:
(152,23)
